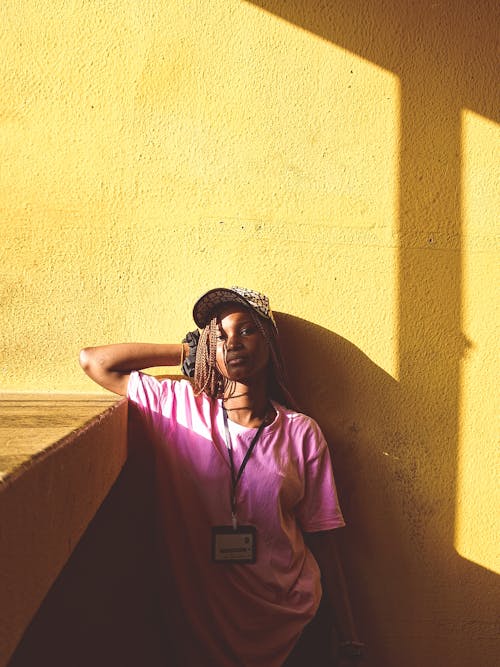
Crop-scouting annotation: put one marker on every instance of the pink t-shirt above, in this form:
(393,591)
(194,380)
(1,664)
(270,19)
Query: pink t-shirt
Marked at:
(235,615)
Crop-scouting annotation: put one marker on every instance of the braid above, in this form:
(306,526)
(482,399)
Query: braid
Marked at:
(208,378)
(277,380)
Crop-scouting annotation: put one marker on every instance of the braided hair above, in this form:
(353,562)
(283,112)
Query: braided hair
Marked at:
(209,379)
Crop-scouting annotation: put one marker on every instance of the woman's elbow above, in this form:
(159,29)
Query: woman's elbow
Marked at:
(87,359)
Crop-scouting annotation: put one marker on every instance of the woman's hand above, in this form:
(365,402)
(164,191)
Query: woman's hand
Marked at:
(347,649)
(192,338)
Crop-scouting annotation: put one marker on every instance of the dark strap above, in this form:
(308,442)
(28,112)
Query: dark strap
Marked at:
(235,478)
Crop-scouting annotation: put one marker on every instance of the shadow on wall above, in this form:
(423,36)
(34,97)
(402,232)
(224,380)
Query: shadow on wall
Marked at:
(432,607)
(395,478)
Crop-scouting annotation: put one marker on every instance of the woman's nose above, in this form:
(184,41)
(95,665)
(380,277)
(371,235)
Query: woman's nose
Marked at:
(233,340)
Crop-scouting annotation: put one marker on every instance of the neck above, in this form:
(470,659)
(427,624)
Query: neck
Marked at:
(248,405)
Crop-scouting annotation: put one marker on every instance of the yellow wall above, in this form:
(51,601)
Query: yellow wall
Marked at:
(344,161)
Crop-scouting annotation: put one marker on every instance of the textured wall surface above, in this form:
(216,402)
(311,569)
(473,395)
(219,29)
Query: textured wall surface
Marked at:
(343,158)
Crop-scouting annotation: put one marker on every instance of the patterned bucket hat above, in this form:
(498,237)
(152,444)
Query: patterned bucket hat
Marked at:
(206,304)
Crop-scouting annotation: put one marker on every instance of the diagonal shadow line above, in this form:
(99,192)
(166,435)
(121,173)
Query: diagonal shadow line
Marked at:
(443,56)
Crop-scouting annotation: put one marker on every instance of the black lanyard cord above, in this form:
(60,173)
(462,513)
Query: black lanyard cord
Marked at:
(235,478)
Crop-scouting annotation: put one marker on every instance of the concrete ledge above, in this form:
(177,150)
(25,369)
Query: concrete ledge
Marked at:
(59,456)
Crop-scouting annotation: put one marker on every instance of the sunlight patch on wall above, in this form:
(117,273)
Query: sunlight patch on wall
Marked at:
(321,161)
(478,492)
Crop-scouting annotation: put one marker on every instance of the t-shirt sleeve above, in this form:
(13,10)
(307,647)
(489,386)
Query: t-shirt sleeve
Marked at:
(167,404)
(319,509)
(153,398)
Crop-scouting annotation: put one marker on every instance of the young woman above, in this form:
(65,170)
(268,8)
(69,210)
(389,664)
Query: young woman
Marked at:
(246,497)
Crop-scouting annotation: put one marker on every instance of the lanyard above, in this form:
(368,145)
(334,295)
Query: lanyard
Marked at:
(235,478)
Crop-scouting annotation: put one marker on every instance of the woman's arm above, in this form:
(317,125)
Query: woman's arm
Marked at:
(325,550)
(111,365)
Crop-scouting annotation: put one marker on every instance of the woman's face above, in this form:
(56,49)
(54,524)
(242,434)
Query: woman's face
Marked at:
(242,351)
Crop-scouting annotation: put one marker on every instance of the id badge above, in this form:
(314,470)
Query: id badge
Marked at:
(234,546)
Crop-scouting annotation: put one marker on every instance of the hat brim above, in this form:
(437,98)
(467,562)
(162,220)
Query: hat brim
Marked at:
(207,304)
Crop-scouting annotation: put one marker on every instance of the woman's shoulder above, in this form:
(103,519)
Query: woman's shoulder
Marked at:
(158,382)
(303,433)
(172,399)
(165,388)
(298,421)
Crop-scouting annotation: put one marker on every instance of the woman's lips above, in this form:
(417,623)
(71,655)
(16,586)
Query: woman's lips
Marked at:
(236,361)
